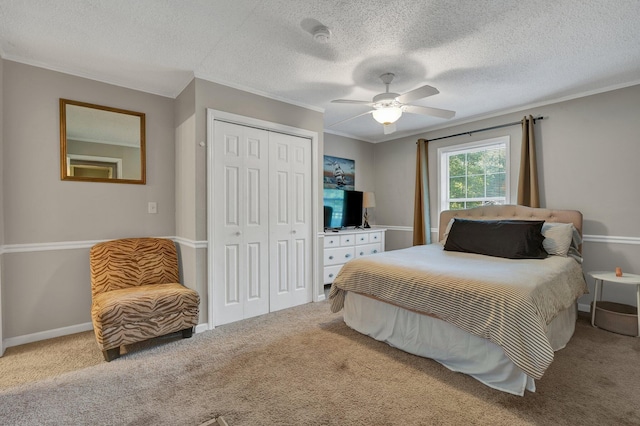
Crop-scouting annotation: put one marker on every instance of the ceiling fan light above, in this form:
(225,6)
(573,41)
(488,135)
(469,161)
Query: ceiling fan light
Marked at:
(387,115)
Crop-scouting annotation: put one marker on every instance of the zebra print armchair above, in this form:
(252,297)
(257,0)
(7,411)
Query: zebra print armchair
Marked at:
(136,294)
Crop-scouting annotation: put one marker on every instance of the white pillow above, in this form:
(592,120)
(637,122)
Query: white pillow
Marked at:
(446,231)
(557,238)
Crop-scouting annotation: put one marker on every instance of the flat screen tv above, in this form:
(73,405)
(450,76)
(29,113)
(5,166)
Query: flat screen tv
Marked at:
(342,208)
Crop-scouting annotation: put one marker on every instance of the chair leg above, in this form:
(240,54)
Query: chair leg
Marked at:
(111,354)
(187,332)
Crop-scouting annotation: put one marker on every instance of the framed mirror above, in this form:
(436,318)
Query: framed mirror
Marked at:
(101,144)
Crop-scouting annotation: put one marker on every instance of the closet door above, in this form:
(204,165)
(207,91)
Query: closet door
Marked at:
(241,246)
(290,221)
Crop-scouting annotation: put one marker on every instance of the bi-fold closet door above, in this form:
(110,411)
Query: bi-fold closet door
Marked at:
(262,222)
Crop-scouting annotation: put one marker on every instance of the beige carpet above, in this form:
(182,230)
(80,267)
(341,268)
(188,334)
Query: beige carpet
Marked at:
(303,366)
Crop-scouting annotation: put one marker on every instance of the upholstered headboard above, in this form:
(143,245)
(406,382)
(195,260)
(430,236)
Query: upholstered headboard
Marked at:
(511,212)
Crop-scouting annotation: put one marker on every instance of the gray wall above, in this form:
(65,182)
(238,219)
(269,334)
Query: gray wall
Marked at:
(362,153)
(1,199)
(185,187)
(48,225)
(44,287)
(1,165)
(587,150)
(587,160)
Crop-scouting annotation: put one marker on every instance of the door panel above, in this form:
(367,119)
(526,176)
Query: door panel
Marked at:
(290,172)
(232,288)
(300,265)
(300,213)
(282,196)
(231,196)
(241,249)
(253,271)
(282,267)
(253,197)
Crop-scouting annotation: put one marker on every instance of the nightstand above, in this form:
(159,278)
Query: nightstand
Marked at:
(615,309)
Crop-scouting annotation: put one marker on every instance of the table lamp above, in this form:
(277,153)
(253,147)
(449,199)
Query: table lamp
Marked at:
(368,200)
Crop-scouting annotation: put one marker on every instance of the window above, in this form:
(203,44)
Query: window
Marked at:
(474,174)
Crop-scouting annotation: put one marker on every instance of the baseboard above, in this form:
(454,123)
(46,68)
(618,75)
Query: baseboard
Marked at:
(202,327)
(59,332)
(584,307)
(44,335)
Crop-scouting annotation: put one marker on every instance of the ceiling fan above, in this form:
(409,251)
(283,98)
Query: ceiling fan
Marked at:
(388,106)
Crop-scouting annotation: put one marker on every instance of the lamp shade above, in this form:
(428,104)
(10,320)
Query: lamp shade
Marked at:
(387,115)
(368,200)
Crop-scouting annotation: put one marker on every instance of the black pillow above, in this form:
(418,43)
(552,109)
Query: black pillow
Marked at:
(512,239)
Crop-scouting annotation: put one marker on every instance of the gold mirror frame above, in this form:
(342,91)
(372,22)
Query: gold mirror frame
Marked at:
(110,153)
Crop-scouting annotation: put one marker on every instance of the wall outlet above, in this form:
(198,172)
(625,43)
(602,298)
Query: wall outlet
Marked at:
(152,207)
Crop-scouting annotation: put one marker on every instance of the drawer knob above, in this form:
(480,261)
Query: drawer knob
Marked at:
(330,275)
(347,255)
(330,241)
(375,237)
(375,251)
(361,253)
(330,257)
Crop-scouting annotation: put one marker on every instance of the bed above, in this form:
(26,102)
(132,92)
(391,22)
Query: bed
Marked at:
(497,319)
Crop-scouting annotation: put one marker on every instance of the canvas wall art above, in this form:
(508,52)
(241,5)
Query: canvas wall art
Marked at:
(339,173)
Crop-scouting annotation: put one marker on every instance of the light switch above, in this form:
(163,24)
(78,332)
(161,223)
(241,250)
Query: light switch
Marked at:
(153,207)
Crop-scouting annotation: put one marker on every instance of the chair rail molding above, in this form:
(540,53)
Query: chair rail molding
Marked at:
(75,245)
(203,244)
(611,239)
(588,238)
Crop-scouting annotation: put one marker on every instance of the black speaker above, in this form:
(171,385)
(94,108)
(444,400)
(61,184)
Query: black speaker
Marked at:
(328,212)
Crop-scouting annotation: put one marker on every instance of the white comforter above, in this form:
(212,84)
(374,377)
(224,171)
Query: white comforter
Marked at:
(507,301)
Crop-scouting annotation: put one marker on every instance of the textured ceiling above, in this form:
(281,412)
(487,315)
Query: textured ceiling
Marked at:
(483,56)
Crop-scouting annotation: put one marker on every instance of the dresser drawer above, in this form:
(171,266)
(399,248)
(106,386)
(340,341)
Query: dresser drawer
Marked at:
(330,273)
(347,240)
(362,238)
(338,255)
(368,249)
(332,240)
(375,237)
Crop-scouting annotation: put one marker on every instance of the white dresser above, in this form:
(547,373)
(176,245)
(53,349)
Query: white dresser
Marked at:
(342,246)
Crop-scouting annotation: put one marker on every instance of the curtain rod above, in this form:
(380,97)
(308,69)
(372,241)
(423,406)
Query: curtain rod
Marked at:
(483,130)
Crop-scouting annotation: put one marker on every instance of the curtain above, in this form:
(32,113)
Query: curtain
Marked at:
(421,220)
(528,194)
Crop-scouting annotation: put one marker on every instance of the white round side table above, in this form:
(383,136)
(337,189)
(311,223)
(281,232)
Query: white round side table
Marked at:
(601,276)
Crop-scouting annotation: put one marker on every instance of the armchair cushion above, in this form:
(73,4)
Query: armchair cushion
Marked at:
(130,315)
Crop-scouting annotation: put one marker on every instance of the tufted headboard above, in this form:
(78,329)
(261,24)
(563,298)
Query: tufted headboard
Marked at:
(494,212)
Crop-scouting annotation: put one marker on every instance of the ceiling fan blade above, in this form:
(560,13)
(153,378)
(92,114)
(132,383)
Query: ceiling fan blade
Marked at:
(350,118)
(350,101)
(419,93)
(435,112)
(389,128)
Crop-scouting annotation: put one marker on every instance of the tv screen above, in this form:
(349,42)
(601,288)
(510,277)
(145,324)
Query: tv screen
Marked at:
(342,208)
